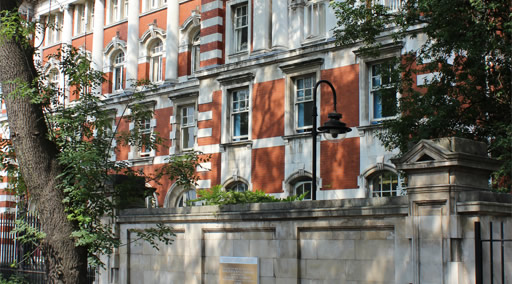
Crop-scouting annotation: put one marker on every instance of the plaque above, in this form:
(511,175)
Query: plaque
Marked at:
(238,270)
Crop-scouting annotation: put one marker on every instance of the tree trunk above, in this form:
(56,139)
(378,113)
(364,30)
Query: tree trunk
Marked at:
(37,157)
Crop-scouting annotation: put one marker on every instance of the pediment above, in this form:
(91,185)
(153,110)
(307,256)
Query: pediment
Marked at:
(425,151)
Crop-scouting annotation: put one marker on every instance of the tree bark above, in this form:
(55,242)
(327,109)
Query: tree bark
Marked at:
(37,158)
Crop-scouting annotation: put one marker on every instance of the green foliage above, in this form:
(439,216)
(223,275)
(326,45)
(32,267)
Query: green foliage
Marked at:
(217,196)
(13,279)
(182,168)
(95,186)
(14,26)
(161,232)
(466,44)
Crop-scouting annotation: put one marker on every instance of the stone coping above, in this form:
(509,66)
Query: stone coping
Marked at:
(386,206)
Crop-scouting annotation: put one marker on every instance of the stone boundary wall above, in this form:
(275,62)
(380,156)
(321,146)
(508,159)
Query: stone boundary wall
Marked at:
(377,240)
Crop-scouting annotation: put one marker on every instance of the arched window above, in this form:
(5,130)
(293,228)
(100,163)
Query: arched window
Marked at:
(156,52)
(383,184)
(184,197)
(195,60)
(117,72)
(237,187)
(53,76)
(302,187)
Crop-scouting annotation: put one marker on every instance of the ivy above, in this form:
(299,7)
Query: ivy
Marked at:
(217,196)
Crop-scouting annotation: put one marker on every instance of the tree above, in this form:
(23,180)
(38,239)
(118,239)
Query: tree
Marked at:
(467,48)
(63,153)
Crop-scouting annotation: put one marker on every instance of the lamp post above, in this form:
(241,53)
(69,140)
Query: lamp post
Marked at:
(333,127)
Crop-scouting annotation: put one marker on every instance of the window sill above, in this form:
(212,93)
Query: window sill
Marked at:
(313,40)
(245,143)
(116,23)
(239,55)
(50,45)
(152,10)
(142,161)
(287,138)
(77,36)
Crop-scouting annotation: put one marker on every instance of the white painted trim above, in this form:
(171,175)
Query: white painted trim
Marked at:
(211,38)
(211,6)
(215,21)
(7,197)
(204,167)
(341,193)
(204,132)
(205,98)
(268,142)
(426,79)
(204,183)
(205,115)
(209,149)
(216,53)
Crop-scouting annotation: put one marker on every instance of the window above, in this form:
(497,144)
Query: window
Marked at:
(53,76)
(240,28)
(156,61)
(187,127)
(383,97)
(393,5)
(146,132)
(384,184)
(186,196)
(301,188)
(117,73)
(304,103)
(84,17)
(237,187)
(314,19)
(195,59)
(118,10)
(54,28)
(240,114)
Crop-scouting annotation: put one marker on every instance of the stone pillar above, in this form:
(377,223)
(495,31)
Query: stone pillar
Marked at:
(280,24)
(97,37)
(442,175)
(172,40)
(261,21)
(132,44)
(67,25)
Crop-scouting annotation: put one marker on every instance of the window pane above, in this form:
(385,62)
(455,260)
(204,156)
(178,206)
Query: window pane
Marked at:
(188,137)
(377,104)
(244,123)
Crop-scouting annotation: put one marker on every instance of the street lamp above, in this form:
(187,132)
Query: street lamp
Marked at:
(331,129)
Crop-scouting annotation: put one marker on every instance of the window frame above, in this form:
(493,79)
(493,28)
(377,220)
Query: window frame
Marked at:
(183,127)
(238,113)
(306,103)
(146,128)
(238,186)
(118,67)
(118,10)
(238,31)
(374,90)
(195,54)
(54,33)
(232,52)
(393,191)
(303,183)
(156,57)
(315,20)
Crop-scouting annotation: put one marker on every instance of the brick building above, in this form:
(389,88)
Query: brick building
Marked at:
(235,80)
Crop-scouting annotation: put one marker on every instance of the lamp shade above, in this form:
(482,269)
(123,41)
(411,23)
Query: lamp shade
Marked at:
(334,128)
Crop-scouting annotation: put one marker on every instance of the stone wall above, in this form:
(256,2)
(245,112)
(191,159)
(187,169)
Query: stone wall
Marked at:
(427,236)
